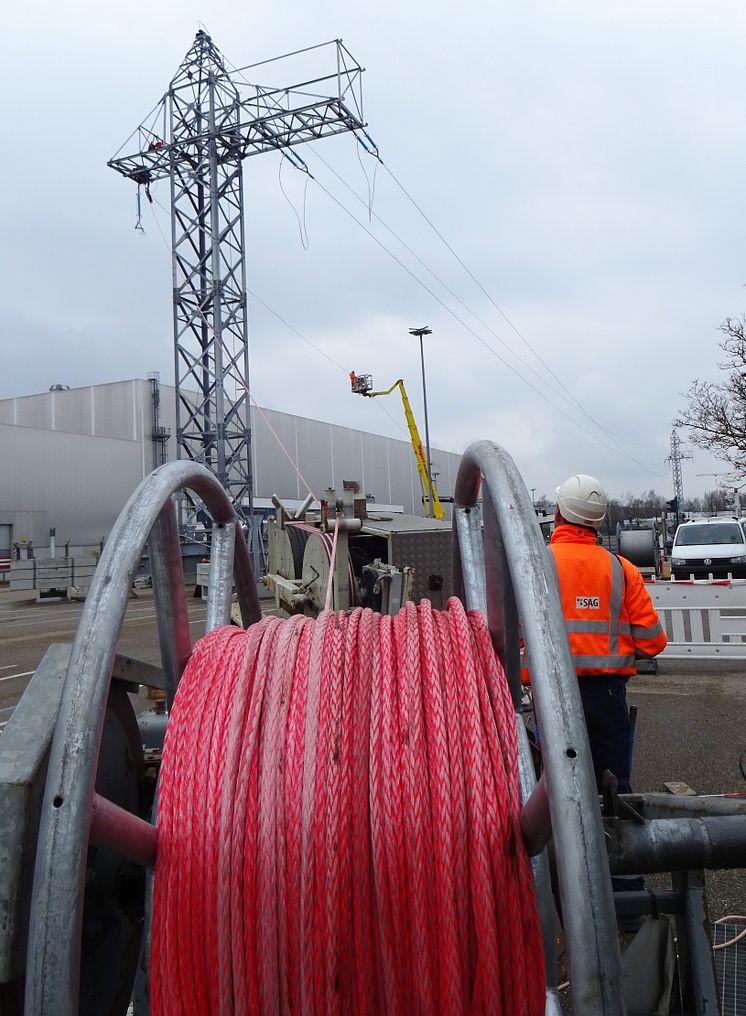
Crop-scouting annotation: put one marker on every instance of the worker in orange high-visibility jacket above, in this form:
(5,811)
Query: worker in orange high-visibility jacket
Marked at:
(610,621)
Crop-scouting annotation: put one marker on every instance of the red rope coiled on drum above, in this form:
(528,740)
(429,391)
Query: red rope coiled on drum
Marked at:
(338,824)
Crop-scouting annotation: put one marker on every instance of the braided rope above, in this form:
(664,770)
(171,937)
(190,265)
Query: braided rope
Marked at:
(338,824)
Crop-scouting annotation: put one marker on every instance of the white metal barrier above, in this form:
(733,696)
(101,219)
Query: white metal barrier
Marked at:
(702,619)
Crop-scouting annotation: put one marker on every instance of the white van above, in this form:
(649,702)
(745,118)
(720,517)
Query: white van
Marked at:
(709,547)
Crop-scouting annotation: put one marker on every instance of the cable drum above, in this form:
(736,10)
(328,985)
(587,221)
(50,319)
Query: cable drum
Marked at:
(298,539)
(317,566)
(338,824)
(639,547)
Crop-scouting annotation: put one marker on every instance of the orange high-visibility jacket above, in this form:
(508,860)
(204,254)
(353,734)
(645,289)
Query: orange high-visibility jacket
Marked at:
(609,615)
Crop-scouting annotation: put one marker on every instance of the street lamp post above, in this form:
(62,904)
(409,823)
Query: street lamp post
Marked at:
(419,332)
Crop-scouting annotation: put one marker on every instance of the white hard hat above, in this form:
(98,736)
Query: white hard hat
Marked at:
(581,499)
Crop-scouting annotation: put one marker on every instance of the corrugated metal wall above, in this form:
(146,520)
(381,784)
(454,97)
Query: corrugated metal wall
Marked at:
(327,454)
(73,482)
(77,455)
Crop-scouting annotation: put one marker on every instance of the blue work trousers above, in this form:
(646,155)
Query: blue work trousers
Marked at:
(609,731)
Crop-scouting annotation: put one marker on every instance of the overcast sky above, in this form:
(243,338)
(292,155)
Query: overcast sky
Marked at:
(584,159)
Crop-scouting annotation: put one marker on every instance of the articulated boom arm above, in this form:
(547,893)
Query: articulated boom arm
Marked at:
(361,386)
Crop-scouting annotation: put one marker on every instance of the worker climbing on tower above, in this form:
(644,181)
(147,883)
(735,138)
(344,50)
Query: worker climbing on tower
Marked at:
(610,621)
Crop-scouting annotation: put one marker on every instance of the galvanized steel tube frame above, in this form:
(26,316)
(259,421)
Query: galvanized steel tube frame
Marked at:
(676,844)
(53,958)
(510,573)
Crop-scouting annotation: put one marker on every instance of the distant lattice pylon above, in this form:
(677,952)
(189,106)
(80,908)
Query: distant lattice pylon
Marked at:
(675,458)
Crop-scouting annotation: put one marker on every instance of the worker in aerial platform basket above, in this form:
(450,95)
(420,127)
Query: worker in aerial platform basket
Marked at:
(610,620)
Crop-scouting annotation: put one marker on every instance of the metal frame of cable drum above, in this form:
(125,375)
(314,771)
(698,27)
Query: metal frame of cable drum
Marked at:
(505,571)
(511,548)
(53,956)
(507,574)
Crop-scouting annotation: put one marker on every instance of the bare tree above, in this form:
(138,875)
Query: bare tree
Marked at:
(715,415)
(615,511)
(652,504)
(633,507)
(715,501)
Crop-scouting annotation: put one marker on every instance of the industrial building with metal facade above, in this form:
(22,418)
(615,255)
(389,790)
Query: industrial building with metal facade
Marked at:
(70,458)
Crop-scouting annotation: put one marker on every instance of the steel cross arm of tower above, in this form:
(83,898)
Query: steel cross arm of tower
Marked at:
(274,131)
(273,127)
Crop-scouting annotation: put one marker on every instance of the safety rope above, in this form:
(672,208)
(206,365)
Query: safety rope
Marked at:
(338,824)
(283,449)
(332,563)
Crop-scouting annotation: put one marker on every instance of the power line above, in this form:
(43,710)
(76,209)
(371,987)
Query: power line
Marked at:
(373,150)
(568,396)
(282,320)
(318,349)
(497,307)
(478,337)
(614,446)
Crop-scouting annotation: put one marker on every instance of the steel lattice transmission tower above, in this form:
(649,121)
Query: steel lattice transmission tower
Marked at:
(675,459)
(209,121)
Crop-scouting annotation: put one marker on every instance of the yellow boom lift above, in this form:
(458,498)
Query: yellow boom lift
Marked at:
(362,384)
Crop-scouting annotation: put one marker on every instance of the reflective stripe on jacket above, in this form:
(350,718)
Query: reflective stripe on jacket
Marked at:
(608,612)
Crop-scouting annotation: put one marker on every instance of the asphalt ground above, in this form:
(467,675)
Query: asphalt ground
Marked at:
(690,723)
(691,727)
(28,628)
